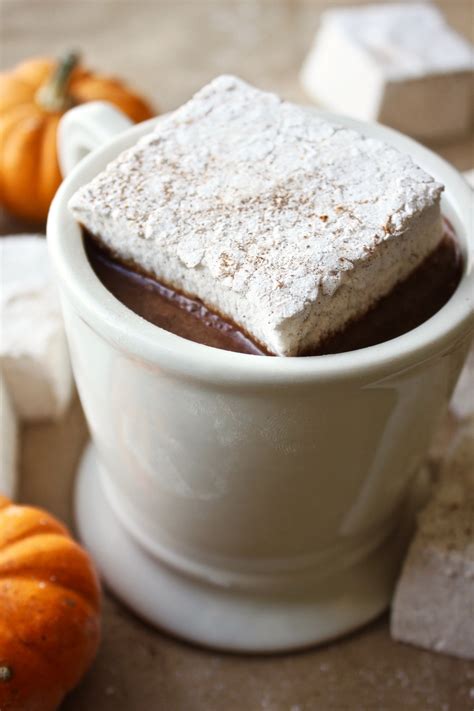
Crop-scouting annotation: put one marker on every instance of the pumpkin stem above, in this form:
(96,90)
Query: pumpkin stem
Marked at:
(53,96)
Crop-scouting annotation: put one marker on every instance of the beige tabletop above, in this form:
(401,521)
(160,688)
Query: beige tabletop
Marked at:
(168,49)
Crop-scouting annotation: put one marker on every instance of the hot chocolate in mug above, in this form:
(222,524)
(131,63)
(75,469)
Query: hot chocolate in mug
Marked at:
(245,502)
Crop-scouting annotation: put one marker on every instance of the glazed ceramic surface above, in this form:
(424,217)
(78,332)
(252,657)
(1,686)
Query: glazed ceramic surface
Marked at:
(272,484)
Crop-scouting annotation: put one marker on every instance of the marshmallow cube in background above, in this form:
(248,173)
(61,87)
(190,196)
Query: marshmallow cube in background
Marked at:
(433,606)
(462,402)
(34,356)
(399,64)
(469,176)
(8,442)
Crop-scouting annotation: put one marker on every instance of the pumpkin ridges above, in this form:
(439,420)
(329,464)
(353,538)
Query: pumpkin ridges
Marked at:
(39,529)
(52,558)
(27,535)
(65,590)
(56,638)
(18,592)
(9,122)
(90,597)
(49,173)
(13,92)
(35,71)
(49,629)
(21,693)
(20,156)
(18,522)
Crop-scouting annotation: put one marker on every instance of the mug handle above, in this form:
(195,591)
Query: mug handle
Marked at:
(85,128)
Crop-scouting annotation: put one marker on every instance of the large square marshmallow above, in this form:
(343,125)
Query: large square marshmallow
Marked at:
(285,223)
(399,64)
(34,356)
(8,442)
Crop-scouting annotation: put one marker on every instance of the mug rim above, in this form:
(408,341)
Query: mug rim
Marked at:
(150,343)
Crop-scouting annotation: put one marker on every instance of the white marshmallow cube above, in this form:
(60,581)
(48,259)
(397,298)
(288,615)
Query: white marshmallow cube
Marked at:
(8,442)
(34,356)
(433,605)
(399,64)
(285,223)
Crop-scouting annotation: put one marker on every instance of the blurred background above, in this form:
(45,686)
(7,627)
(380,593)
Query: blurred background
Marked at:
(167,49)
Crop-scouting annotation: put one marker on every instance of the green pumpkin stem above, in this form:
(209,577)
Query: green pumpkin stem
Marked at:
(53,96)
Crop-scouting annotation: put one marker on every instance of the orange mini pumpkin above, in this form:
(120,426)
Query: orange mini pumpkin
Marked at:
(49,610)
(33,96)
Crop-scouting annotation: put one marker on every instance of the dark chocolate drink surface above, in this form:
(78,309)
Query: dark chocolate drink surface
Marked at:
(408,305)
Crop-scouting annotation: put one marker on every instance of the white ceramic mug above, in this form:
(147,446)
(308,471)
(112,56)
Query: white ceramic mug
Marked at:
(245,502)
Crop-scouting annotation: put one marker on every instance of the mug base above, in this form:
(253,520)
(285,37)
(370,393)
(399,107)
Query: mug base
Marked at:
(225,618)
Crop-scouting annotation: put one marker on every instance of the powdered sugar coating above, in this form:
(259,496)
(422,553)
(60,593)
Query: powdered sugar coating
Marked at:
(407,40)
(265,211)
(34,357)
(433,602)
(391,63)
